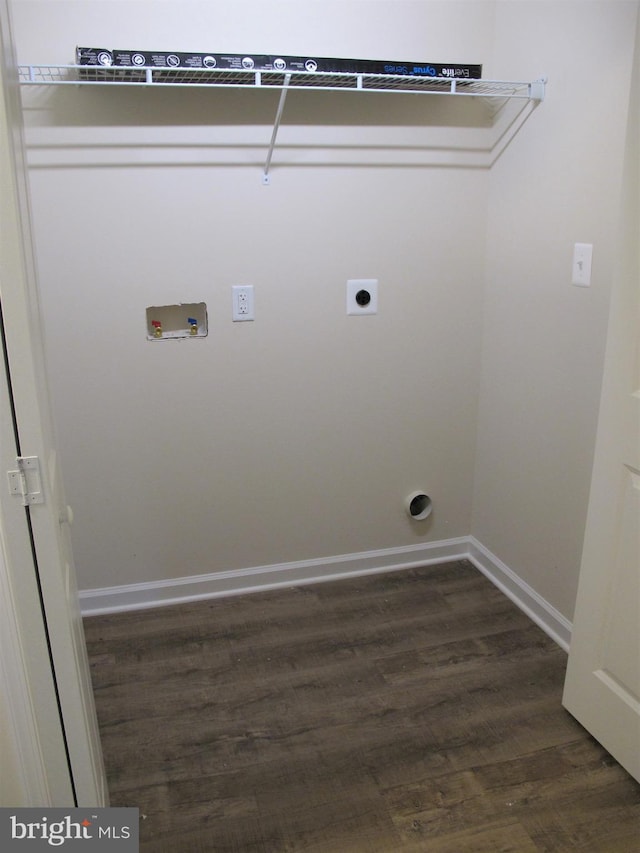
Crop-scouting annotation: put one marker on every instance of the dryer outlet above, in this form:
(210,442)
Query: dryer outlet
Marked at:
(362,296)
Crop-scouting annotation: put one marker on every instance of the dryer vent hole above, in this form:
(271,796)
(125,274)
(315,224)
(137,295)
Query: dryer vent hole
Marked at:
(420,507)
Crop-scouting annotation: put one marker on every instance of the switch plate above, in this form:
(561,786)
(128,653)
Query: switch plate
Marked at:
(581,269)
(243,307)
(362,296)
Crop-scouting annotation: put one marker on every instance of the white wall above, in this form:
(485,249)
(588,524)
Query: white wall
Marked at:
(544,338)
(299,435)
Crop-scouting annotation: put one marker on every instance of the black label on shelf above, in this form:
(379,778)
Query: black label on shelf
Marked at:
(260,62)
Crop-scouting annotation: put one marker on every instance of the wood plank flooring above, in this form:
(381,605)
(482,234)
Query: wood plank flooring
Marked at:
(411,711)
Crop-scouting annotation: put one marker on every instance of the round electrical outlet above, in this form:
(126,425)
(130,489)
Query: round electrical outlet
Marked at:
(362,296)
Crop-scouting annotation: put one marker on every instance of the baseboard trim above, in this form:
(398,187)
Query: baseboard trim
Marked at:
(142,596)
(525,597)
(139,596)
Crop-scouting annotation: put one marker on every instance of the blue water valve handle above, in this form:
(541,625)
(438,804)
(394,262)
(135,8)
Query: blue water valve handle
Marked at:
(192,321)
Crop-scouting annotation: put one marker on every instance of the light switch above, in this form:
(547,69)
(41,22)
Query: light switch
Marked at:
(581,269)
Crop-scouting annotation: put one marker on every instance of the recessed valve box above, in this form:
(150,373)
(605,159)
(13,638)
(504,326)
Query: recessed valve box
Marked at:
(186,320)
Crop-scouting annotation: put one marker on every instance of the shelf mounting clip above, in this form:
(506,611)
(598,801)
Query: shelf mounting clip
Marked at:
(537,89)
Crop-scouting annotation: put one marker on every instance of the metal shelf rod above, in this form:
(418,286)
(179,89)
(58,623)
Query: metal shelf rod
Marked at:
(276,124)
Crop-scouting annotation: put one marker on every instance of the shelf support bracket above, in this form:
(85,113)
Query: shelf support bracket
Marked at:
(537,89)
(266,179)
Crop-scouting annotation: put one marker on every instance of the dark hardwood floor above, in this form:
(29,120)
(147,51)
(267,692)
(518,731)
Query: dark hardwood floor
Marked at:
(412,711)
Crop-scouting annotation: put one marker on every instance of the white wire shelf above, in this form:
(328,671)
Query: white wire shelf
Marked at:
(285,81)
(344,81)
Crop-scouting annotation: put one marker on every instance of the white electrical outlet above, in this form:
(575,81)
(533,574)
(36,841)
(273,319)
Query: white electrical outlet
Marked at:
(362,296)
(243,309)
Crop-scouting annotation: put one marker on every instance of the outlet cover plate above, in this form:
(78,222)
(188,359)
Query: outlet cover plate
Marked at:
(243,305)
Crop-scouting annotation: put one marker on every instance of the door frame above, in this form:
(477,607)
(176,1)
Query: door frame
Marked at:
(50,733)
(604,658)
(34,760)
